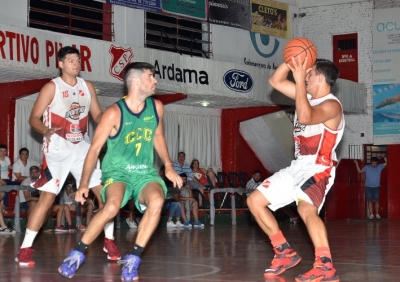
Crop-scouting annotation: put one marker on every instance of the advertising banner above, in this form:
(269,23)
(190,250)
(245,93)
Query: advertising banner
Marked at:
(247,48)
(270,17)
(149,5)
(234,13)
(196,9)
(386,76)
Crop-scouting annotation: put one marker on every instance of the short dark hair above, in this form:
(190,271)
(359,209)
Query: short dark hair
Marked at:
(257,171)
(134,69)
(34,167)
(182,153)
(328,69)
(67,50)
(183,175)
(3,146)
(23,150)
(374,160)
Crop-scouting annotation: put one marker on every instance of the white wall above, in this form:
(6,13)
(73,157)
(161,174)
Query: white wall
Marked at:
(128,26)
(15,13)
(320,24)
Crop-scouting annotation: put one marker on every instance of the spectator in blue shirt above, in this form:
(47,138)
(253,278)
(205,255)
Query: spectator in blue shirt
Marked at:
(372,184)
(181,167)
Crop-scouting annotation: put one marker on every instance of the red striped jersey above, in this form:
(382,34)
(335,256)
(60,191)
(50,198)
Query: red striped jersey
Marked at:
(318,139)
(70,111)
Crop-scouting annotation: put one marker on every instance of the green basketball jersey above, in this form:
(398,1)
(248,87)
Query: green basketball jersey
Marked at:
(131,150)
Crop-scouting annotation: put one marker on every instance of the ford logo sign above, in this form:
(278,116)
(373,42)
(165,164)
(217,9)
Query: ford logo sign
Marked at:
(239,81)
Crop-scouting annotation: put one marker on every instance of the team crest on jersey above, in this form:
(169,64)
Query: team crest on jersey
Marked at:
(75,128)
(298,127)
(148,118)
(121,57)
(266,183)
(81,92)
(74,111)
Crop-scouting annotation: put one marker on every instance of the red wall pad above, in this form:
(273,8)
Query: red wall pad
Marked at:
(170,98)
(10,91)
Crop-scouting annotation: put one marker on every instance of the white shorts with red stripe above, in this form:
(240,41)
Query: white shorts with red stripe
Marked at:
(58,164)
(303,180)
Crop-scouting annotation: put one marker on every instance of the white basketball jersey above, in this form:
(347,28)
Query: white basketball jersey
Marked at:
(70,111)
(317,139)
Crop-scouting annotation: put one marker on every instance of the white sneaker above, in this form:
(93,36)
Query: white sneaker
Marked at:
(171,224)
(131,224)
(371,216)
(377,216)
(179,224)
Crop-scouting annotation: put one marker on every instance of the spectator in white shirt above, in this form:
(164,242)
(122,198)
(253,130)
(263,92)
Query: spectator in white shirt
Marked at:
(5,162)
(254,182)
(5,166)
(22,165)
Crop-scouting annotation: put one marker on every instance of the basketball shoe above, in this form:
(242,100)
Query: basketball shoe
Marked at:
(130,265)
(24,256)
(282,261)
(71,264)
(323,270)
(111,249)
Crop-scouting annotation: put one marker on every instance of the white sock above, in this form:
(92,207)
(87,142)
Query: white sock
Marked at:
(30,236)
(109,230)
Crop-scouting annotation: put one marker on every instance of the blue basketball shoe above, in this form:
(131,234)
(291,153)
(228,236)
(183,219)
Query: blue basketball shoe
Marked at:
(71,264)
(130,265)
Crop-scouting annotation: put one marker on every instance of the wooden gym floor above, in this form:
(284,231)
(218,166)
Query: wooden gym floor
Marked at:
(365,250)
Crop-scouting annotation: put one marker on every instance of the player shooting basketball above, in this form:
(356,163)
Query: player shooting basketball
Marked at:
(318,128)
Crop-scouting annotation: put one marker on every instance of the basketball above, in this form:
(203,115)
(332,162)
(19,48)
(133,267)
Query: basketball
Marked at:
(302,47)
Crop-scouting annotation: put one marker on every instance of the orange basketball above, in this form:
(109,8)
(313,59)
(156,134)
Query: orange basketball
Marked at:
(302,47)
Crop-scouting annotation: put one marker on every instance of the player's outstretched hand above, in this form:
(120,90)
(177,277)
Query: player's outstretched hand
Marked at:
(171,174)
(81,194)
(50,132)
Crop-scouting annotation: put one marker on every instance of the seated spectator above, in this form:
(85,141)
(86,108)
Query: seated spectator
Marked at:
(206,178)
(60,209)
(173,205)
(21,167)
(251,185)
(69,200)
(181,167)
(29,196)
(4,229)
(5,166)
(188,203)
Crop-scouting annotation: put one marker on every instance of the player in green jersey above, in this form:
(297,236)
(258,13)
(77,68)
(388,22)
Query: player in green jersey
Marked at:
(132,128)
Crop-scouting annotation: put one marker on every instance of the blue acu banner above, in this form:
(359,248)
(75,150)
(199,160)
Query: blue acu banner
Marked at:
(386,76)
(234,13)
(148,5)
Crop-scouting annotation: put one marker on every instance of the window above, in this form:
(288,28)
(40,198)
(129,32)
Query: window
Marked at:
(371,151)
(179,35)
(82,18)
(347,44)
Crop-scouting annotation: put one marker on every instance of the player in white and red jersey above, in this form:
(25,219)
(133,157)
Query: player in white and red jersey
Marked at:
(65,104)
(318,128)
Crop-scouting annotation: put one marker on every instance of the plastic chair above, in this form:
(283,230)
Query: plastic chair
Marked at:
(233,179)
(223,180)
(243,179)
